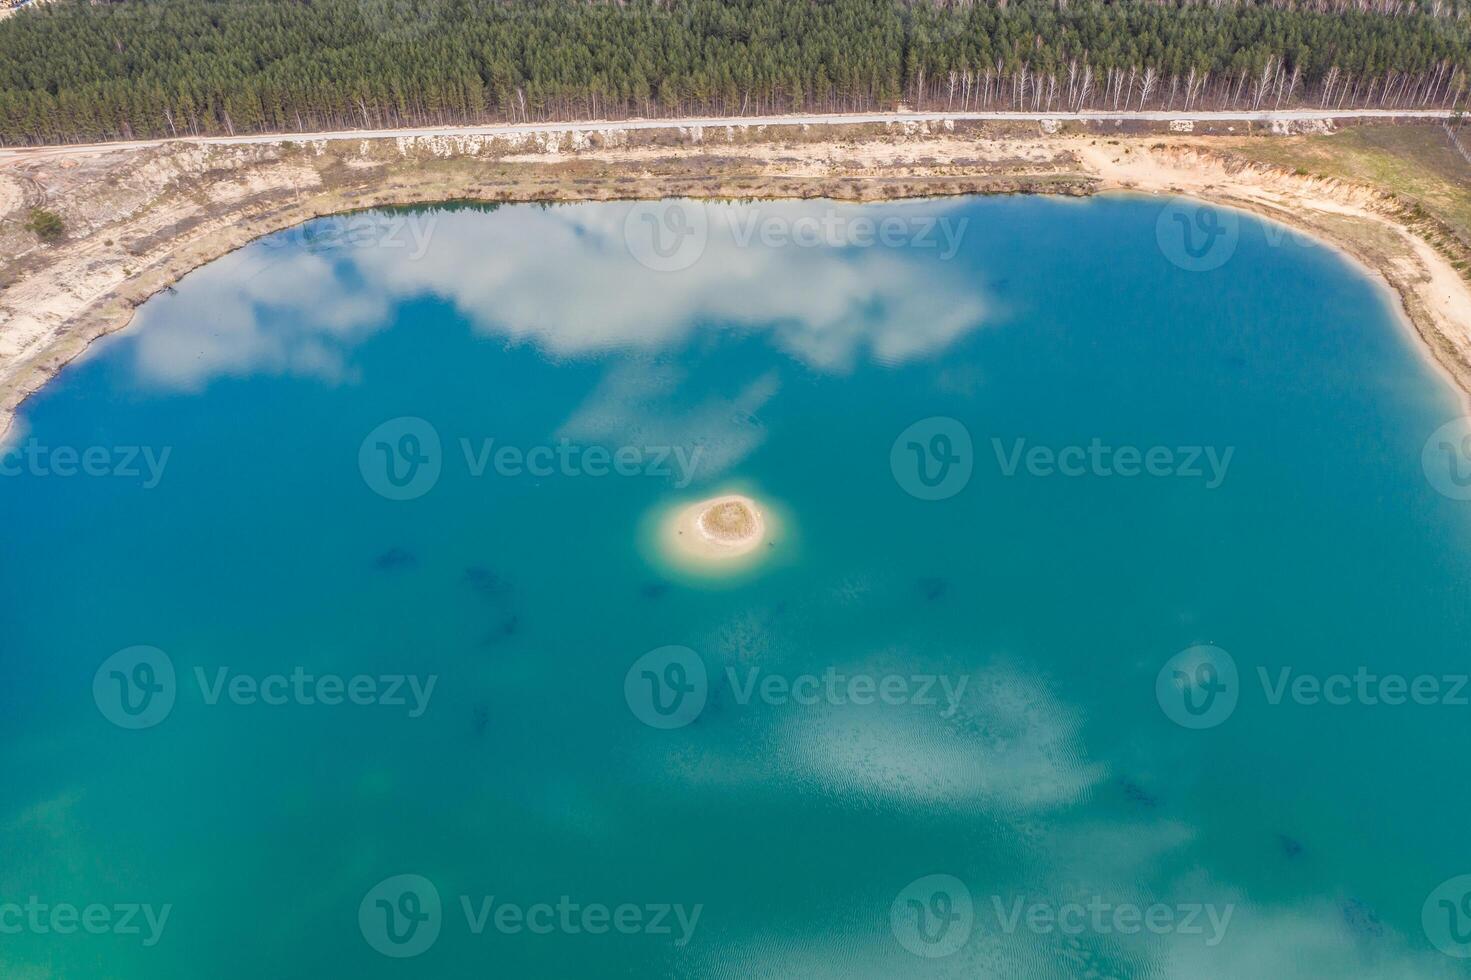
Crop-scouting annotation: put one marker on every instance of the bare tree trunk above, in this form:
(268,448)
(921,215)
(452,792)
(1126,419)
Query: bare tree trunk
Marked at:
(1147,86)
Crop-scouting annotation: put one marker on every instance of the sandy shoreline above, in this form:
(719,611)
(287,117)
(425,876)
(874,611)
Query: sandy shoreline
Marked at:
(142,219)
(694,539)
(717,530)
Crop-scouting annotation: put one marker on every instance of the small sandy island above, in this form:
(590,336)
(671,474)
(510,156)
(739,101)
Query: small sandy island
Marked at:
(721,527)
(714,534)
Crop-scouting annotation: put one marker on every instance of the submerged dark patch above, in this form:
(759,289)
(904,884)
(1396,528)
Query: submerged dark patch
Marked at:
(503,630)
(1135,793)
(933,588)
(487,582)
(394,559)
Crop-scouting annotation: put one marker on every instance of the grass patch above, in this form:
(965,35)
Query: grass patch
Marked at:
(1416,163)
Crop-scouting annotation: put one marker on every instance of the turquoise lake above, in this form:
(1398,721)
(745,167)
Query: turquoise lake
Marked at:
(338,641)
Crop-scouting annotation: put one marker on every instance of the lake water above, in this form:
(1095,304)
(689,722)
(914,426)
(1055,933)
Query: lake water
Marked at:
(335,629)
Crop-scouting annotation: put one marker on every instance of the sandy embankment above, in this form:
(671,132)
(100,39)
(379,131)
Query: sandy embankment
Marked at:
(1359,221)
(141,219)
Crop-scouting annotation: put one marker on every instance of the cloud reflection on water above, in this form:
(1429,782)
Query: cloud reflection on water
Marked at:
(258,311)
(560,278)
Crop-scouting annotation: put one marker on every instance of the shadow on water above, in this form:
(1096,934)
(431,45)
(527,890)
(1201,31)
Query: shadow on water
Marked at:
(395,559)
(933,588)
(1137,794)
(488,583)
(502,630)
